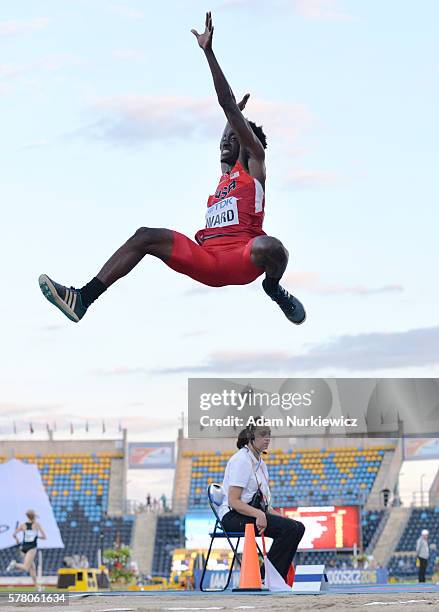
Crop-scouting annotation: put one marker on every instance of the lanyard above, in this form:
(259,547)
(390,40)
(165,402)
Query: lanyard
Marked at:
(266,497)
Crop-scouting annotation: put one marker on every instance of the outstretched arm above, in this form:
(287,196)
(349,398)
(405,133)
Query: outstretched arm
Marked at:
(225,95)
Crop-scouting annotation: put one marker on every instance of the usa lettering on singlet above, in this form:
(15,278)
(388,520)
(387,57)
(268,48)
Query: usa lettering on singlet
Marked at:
(236,209)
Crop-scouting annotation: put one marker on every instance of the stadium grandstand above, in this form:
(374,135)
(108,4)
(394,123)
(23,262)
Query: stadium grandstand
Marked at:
(86,483)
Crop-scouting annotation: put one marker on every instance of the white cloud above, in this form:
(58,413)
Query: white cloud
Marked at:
(11,71)
(324,10)
(57,61)
(10,411)
(311,179)
(193,334)
(49,63)
(312,282)
(313,10)
(61,423)
(13,27)
(51,328)
(128,54)
(136,119)
(23,75)
(36,144)
(361,352)
(125,11)
(282,121)
(232,4)
(119,371)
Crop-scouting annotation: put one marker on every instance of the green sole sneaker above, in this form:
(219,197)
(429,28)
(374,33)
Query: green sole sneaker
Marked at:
(68,300)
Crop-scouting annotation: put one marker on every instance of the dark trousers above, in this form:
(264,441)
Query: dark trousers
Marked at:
(422,569)
(286,534)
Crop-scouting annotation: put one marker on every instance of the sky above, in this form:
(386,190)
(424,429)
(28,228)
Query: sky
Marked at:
(109,122)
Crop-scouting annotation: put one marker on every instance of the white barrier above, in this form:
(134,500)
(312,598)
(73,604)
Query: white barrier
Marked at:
(310,579)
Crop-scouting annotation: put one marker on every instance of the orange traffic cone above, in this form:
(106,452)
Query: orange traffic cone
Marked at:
(250,577)
(290,576)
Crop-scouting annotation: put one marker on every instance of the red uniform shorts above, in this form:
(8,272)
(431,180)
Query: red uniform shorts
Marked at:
(218,262)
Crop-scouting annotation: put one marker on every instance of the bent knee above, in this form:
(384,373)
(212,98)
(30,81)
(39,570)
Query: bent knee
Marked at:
(146,237)
(269,246)
(140,237)
(145,234)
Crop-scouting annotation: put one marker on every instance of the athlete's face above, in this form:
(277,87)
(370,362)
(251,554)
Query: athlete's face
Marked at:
(229,146)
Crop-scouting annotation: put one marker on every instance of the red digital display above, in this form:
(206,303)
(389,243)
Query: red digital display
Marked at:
(327,527)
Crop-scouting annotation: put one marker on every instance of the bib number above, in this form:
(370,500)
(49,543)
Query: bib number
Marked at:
(222,213)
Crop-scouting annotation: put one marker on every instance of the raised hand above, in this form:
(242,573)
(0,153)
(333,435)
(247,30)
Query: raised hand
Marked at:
(205,39)
(242,104)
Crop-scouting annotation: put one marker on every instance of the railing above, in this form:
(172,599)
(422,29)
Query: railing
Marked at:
(420,499)
(133,506)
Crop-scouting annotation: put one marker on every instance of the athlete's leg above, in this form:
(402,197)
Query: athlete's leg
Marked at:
(29,559)
(33,573)
(74,302)
(270,254)
(146,241)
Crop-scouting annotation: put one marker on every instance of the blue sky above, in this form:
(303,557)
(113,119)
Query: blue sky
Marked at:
(109,122)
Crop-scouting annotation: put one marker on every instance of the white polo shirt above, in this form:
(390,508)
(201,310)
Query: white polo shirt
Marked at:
(244,470)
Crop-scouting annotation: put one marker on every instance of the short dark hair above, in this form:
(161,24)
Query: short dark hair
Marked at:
(259,132)
(247,434)
(243,438)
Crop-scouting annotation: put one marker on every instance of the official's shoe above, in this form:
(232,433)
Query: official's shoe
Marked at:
(291,307)
(67,300)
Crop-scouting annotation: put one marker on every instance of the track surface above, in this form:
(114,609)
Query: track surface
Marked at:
(412,598)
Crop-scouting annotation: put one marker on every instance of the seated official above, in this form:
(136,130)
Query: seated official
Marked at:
(248,499)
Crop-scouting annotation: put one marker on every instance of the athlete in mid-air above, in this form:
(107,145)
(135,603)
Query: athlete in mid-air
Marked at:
(232,249)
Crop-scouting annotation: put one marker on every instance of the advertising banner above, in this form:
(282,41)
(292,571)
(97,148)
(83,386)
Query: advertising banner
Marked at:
(357,576)
(327,527)
(150,455)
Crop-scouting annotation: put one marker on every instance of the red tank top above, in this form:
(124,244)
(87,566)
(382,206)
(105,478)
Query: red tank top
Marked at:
(236,209)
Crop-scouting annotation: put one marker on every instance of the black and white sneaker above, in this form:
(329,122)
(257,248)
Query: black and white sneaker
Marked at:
(11,565)
(291,307)
(68,300)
